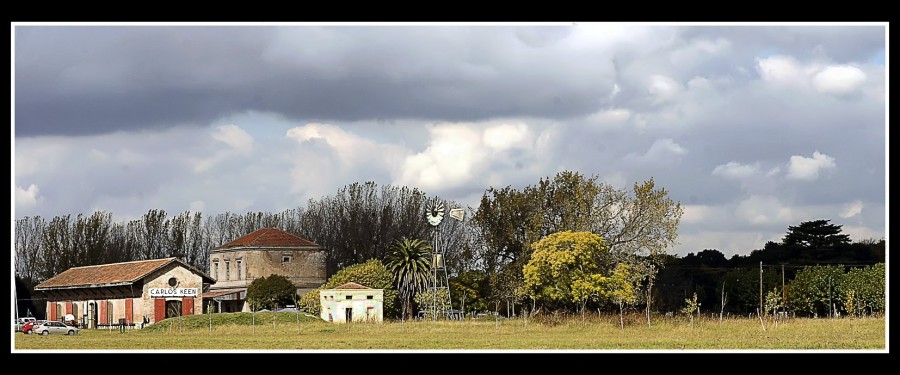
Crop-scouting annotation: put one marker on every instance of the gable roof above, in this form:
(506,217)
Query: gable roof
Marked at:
(269,237)
(112,274)
(352,286)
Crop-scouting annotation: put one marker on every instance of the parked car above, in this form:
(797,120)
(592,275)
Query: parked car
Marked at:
(19,323)
(49,327)
(28,327)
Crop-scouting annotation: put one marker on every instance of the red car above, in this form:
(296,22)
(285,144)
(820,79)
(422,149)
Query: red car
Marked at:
(26,329)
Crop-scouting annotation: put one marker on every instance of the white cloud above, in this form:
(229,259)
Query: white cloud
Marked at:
(610,117)
(235,137)
(839,79)
(803,168)
(736,170)
(663,88)
(859,233)
(827,79)
(505,136)
(764,209)
(615,91)
(663,150)
(852,209)
(772,172)
(349,148)
(698,51)
(697,213)
(27,198)
(783,70)
(712,46)
(451,158)
(332,154)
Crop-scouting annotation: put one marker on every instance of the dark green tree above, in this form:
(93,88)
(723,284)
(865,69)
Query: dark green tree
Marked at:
(266,292)
(815,234)
(469,291)
(409,262)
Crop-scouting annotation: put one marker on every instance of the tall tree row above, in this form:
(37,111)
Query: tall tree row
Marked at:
(485,253)
(356,224)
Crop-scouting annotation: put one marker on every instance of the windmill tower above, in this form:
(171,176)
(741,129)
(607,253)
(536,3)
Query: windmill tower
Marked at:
(440,282)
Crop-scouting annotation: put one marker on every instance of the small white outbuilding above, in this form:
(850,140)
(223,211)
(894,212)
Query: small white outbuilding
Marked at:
(352,302)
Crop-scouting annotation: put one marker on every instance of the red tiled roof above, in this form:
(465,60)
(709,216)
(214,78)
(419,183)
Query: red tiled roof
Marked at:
(270,237)
(111,274)
(352,286)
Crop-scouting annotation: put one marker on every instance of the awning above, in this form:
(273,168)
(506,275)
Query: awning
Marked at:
(226,295)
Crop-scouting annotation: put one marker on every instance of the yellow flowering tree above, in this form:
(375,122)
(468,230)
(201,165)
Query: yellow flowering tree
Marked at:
(573,267)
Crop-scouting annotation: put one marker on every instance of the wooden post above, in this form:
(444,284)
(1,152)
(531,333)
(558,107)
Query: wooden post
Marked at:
(761,307)
(722,311)
(783,290)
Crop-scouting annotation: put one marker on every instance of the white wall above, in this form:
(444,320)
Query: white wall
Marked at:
(334,303)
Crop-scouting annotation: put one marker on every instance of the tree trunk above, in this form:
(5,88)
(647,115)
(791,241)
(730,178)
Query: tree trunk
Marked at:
(621,316)
(649,300)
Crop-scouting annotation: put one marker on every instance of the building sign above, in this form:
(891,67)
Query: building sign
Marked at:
(173,292)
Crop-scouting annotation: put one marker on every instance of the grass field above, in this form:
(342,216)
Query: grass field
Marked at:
(236,332)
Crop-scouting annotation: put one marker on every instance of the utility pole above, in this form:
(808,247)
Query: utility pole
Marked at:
(830,300)
(760,290)
(783,291)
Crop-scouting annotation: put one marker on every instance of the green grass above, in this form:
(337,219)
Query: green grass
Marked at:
(235,331)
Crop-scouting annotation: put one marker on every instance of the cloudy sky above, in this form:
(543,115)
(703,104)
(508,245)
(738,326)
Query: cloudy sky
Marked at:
(751,128)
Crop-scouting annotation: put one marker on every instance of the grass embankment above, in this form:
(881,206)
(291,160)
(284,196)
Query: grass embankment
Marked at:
(237,331)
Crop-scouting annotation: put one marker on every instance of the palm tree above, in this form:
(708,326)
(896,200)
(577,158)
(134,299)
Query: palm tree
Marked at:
(409,263)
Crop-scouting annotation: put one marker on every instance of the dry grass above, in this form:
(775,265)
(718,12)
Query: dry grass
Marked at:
(596,333)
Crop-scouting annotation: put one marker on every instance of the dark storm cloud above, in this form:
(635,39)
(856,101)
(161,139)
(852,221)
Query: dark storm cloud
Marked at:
(178,117)
(91,80)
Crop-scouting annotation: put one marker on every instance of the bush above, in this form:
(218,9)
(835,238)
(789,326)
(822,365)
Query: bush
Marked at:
(266,292)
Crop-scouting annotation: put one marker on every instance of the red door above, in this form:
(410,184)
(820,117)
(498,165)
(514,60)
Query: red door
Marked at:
(159,309)
(52,314)
(129,306)
(68,307)
(187,306)
(103,307)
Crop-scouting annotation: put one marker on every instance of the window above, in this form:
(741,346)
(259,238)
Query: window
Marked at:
(239,271)
(370,297)
(227,270)
(173,281)
(349,297)
(215,270)
(285,259)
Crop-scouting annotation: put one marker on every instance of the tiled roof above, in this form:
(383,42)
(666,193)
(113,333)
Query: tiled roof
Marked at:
(352,286)
(270,237)
(111,274)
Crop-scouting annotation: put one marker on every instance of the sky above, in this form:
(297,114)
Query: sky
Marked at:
(752,128)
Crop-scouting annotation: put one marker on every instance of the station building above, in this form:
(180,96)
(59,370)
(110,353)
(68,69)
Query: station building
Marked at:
(136,293)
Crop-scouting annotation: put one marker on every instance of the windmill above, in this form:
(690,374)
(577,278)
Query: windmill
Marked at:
(434,213)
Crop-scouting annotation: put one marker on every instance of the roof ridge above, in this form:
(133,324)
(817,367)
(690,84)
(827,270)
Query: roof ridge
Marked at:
(117,263)
(269,237)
